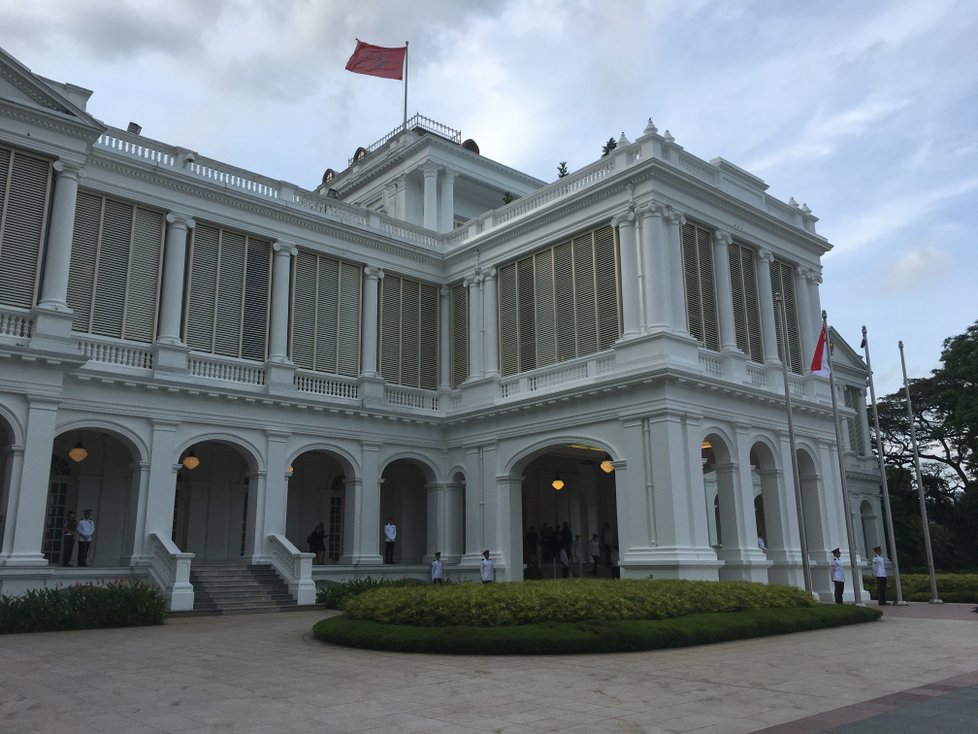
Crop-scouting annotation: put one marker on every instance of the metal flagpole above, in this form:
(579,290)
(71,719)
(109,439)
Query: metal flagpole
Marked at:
(405,83)
(802,535)
(935,599)
(886,491)
(857,579)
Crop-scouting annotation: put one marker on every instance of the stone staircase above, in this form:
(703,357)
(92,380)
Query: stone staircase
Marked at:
(237,589)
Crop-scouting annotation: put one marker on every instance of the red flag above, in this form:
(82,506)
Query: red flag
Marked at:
(820,362)
(387,63)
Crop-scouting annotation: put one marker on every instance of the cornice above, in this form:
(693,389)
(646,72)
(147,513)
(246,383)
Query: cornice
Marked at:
(68,126)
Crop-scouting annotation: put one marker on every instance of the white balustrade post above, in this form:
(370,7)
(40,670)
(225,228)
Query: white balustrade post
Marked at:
(631,303)
(490,322)
(174,265)
(371,282)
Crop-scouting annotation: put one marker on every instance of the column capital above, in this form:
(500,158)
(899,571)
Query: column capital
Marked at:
(284,248)
(722,237)
(472,280)
(651,209)
(444,291)
(626,218)
(675,217)
(765,256)
(373,272)
(449,174)
(179,219)
(69,169)
(489,274)
(430,170)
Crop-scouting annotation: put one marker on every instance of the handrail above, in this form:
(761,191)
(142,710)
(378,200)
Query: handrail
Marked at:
(169,568)
(294,567)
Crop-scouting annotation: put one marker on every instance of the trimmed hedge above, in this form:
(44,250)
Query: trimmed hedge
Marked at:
(119,604)
(552,638)
(335,594)
(960,588)
(576,600)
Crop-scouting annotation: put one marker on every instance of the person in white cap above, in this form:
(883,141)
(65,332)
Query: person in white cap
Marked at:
(486,572)
(879,571)
(838,575)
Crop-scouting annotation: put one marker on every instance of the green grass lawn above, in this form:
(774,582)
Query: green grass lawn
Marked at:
(580,616)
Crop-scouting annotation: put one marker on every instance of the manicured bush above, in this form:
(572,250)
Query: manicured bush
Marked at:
(951,587)
(577,600)
(594,636)
(119,604)
(334,594)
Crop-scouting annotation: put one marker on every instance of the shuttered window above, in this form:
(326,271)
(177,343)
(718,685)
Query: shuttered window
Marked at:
(460,334)
(326,314)
(560,303)
(409,332)
(229,276)
(746,312)
(25,190)
(782,281)
(855,400)
(701,293)
(116,260)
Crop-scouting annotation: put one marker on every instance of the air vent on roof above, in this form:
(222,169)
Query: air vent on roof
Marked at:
(471,145)
(360,154)
(328,175)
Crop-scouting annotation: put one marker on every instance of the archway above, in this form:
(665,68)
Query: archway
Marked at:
(6,467)
(317,494)
(404,498)
(211,503)
(92,470)
(775,526)
(568,498)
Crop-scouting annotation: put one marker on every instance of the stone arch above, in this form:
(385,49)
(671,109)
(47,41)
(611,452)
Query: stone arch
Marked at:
(812,504)
(137,446)
(10,436)
(407,481)
(317,493)
(518,462)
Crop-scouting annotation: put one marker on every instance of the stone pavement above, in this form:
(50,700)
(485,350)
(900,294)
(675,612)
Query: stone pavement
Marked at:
(914,671)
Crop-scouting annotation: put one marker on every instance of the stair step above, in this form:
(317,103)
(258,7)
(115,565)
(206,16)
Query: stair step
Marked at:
(239,589)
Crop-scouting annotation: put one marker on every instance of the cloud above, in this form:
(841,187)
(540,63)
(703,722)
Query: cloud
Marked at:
(916,270)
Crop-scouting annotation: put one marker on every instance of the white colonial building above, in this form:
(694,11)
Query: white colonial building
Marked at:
(430,336)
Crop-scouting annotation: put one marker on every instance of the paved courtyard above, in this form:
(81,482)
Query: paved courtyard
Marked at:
(265,674)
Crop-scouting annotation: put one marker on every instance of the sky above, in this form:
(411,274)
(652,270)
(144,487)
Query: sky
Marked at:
(865,111)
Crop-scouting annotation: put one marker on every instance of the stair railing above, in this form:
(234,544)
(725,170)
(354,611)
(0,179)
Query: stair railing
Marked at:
(294,567)
(170,570)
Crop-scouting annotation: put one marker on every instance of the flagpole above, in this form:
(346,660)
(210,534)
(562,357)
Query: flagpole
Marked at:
(405,83)
(857,579)
(935,599)
(802,535)
(886,491)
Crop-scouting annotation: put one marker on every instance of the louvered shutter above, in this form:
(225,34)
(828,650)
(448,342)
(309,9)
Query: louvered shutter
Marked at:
(507,333)
(708,291)
(112,269)
(84,258)
(752,305)
(564,301)
(25,190)
(410,333)
(304,310)
(327,314)
(145,269)
(349,303)
(390,328)
(607,298)
(738,298)
(586,328)
(257,294)
(202,288)
(546,307)
(694,316)
(428,337)
(781,281)
(526,300)
(230,294)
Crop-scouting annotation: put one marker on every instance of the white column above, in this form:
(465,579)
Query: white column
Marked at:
(446,208)
(371,280)
(140,470)
(677,282)
(814,300)
(445,338)
(765,296)
(474,285)
(365,521)
(806,316)
(721,276)
(631,301)
(430,196)
(390,200)
(454,522)
(57,261)
(655,267)
(27,500)
(161,492)
(268,501)
(13,470)
(281,272)
(174,265)
(490,321)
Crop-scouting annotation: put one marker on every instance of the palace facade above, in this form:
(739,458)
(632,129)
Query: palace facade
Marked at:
(214,362)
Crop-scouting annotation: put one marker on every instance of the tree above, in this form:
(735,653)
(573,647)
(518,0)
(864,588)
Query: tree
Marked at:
(561,169)
(608,147)
(508,198)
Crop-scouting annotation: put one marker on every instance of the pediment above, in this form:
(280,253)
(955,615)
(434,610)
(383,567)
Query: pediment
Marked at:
(843,355)
(20,85)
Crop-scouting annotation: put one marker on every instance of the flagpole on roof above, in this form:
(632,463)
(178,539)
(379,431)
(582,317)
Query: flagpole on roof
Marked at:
(935,599)
(405,82)
(802,534)
(885,489)
(857,579)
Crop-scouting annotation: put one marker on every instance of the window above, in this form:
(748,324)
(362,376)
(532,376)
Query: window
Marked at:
(856,400)
(116,256)
(746,313)
(409,332)
(701,294)
(25,190)
(228,293)
(326,314)
(782,282)
(460,334)
(560,303)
